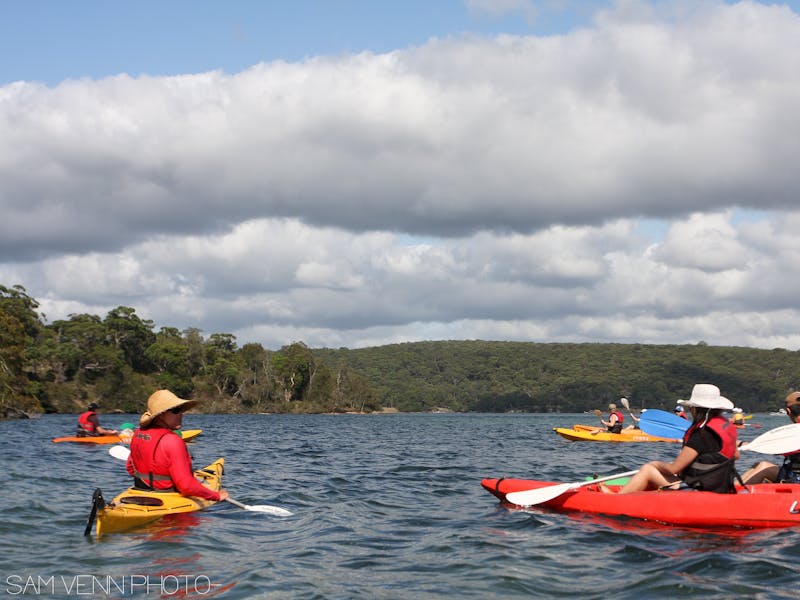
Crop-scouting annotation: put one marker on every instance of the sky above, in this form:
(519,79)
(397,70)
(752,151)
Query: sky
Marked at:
(356,173)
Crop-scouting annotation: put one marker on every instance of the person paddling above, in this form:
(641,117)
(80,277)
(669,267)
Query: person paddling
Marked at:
(159,459)
(789,471)
(89,423)
(680,412)
(615,419)
(706,460)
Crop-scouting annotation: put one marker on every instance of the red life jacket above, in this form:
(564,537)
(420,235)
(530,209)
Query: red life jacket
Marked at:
(143,452)
(723,428)
(161,462)
(620,416)
(85,424)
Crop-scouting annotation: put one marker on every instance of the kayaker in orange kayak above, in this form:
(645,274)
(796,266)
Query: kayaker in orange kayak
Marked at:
(706,460)
(89,423)
(789,471)
(159,459)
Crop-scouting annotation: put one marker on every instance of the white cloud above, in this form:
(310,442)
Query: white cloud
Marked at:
(465,188)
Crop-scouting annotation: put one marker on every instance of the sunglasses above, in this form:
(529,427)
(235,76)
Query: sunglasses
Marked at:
(177,410)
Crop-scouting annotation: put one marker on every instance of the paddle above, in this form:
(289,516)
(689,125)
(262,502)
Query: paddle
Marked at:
(660,423)
(627,405)
(780,440)
(264,508)
(122,453)
(97,503)
(543,494)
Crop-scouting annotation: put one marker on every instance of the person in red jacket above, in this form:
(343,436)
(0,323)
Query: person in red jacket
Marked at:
(706,460)
(615,419)
(159,459)
(89,424)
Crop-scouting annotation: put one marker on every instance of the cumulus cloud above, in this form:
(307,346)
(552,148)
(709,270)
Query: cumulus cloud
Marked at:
(466,188)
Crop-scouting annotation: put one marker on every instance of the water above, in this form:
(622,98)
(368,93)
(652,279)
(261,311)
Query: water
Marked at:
(385,507)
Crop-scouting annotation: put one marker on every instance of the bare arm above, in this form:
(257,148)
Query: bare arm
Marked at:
(685,457)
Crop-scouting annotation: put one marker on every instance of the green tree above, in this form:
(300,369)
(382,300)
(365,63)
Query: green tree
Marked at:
(292,365)
(131,335)
(169,355)
(223,367)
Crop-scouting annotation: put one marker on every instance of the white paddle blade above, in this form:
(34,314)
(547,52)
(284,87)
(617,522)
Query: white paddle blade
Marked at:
(539,495)
(780,440)
(266,508)
(543,494)
(263,508)
(120,452)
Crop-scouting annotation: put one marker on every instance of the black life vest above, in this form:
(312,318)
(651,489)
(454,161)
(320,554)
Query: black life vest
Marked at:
(713,471)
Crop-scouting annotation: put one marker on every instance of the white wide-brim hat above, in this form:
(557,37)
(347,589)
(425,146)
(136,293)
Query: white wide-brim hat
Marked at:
(705,395)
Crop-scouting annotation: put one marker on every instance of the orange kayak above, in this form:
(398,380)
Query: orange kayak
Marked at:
(187,435)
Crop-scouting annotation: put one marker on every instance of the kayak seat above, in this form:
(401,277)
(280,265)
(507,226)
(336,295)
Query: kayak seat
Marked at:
(142,501)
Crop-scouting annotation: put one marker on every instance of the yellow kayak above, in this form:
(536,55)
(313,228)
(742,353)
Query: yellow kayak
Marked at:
(190,434)
(133,508)
(590,433)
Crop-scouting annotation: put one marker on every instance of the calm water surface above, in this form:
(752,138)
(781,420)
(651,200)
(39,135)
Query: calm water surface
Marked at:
(385,506)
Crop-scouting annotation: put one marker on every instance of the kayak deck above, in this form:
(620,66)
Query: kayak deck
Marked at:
(590,433)
(765,505)
(133,507)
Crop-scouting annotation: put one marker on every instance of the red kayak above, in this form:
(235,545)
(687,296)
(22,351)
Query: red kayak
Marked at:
(757,506)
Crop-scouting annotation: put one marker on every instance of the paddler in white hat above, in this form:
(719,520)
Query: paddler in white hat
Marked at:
(159,459)
(706,460)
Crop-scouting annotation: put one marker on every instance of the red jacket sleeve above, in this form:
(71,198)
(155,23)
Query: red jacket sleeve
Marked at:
(172,450)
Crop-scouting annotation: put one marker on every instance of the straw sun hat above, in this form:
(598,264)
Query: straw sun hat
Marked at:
(160,402)
(705,395)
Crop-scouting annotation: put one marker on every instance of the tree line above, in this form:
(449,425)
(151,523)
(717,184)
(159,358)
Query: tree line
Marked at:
(118,360)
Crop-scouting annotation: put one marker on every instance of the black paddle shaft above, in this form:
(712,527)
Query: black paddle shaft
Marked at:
(97,503)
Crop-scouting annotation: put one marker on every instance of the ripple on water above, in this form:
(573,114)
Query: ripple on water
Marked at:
(384,507)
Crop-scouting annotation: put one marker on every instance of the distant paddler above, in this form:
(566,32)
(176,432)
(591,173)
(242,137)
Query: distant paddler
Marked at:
(789,471)
(615,419)
(89,423)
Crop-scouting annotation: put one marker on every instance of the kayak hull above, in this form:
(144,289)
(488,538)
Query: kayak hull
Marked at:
(590,433)
(187,435)
(766,505)
(94,439)
(134,508)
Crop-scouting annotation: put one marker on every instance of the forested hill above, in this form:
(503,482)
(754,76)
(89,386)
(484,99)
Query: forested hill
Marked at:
(119,359)
(510,376)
